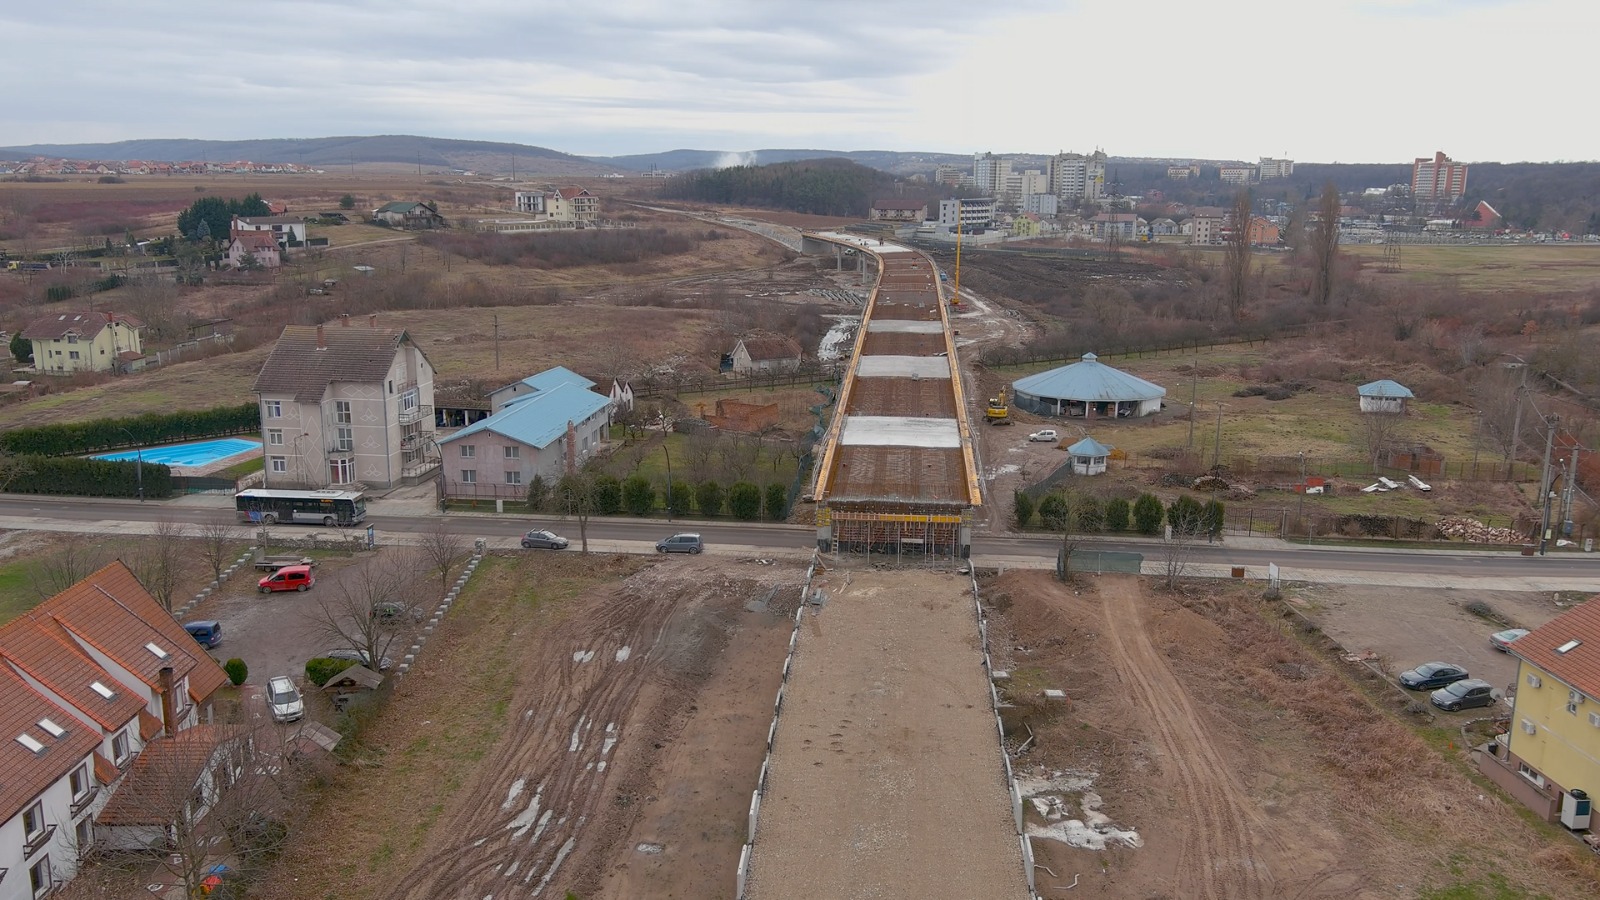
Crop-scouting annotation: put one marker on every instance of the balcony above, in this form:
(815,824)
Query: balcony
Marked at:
(38,841)
(416,414)
(83,803)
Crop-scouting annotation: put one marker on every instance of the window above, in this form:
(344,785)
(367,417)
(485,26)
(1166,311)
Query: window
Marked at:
(469,476)
(119,747)
(85,835)
(469,451)
(341,412)
(408,401)
(33,821)
(1530,773)
(280,465)
(344,440)
(513,478)
(80,781)
(273,408)
(275,437)
(341,471)
(40,878)
(513,452)
(73,354)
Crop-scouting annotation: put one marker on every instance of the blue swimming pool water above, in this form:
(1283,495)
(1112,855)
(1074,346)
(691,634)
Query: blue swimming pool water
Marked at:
(201,453)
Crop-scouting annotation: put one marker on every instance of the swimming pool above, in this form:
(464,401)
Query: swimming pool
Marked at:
(201,453)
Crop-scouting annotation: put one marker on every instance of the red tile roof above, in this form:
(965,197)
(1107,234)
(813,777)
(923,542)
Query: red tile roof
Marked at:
(1580,665)
(163,778)
(256,240)
(84,324)
(37,648)
(352,353)
(24,775)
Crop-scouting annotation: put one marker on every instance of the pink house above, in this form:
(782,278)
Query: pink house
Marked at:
(259,244)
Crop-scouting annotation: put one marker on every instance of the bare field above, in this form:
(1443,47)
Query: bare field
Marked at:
(1490,268)
(202,384)
(1247,763)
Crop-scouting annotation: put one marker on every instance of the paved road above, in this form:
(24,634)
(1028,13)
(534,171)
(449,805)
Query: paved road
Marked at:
(52,513)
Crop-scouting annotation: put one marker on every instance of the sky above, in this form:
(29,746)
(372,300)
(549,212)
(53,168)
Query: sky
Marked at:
(1325,81)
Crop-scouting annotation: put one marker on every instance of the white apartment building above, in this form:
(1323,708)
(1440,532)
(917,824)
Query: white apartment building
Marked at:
(1073,176)
(1269,169)
(973,213)
(990,173)
(1041,204)
(1236,174)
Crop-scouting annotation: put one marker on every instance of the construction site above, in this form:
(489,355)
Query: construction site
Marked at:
(897,473)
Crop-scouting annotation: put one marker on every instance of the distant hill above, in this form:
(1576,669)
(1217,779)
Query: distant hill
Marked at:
(823,187)
(328,152)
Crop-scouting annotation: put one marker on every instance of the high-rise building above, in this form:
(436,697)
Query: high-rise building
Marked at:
(990,172)
(1438,180)
(1073,176)
(1270,169)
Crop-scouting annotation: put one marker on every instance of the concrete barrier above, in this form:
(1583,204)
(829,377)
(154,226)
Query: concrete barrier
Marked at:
(744,872)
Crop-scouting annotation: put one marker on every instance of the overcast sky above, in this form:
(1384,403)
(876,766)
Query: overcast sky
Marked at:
(1323,81)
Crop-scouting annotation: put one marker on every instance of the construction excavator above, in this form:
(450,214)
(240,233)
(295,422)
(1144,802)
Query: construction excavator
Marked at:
(998,412)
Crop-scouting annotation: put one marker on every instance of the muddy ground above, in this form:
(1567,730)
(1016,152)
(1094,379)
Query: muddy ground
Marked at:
(1232,756)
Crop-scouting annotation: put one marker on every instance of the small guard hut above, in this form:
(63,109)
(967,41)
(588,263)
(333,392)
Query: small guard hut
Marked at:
(1088,457)
(1088,389)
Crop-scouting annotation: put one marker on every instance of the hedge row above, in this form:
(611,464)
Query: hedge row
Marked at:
(89,477)
(76,438)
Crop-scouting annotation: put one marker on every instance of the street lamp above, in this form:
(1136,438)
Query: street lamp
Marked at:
(138,466)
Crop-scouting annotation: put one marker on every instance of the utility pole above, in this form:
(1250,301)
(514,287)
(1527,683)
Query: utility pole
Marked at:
(1216,452)
(1546,482)
(1567,488)
(1194,391)
(1516,422)
(497,342)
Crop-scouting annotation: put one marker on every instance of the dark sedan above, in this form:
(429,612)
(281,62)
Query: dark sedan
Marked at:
(1432,675)
(1464,694)
(543,540)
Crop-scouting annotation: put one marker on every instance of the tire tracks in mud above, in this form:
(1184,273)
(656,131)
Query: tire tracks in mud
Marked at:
(548,785)
(1218,856)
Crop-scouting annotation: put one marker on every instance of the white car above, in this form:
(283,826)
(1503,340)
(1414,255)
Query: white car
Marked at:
(284,700)
(1048,434)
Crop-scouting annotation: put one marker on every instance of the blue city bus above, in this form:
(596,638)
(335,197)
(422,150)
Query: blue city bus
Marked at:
(322,507)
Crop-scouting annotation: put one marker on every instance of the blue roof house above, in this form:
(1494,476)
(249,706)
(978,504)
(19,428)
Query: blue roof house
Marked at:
(543,426)
(1088,457)
(1384,396)
(1089,389)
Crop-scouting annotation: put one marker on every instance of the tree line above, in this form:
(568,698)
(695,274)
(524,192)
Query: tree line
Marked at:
(822,187)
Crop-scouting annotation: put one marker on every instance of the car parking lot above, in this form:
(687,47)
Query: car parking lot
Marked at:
(1407,627)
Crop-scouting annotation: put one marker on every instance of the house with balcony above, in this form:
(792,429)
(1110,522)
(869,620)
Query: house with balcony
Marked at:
(1552,749)
(412,215)
(345,405)
(88,680)
(543,426)
(286,231)
(70,342)
(254,250)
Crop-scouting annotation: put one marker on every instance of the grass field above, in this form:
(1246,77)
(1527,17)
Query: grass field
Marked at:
(1491,268)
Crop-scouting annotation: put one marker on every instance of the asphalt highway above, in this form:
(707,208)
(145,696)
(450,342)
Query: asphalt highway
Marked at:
(1248,552)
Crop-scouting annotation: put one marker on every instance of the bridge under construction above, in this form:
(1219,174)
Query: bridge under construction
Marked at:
(897,473)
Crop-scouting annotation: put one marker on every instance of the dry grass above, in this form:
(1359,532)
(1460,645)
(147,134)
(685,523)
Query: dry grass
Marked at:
(1538,268)
(219,381)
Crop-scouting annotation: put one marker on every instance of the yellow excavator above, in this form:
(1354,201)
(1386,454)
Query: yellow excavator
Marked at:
(998,412)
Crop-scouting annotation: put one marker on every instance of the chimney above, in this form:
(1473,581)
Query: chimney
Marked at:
(167,710)
(344,320)
(322,339)
(572,448)
(372,320)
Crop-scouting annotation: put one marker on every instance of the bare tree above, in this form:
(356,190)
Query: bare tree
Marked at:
(157,561)
(351,614)
(444,550)
(219,541)
(1237,262)
(1177,549)
(12,467)
(575,497)
(69,562)
(1072,514)
(699,449)
(1325,246)
(1376,431)
(738,454)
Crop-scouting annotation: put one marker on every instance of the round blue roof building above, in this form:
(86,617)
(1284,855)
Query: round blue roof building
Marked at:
(1088,389)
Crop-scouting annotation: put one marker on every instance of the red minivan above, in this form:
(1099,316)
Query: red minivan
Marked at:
(288,578)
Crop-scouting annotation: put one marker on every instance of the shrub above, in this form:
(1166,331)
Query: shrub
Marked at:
(1212,517)
(237,671)
(777,498)
(320,669)
(744,501)
(1053,512)
(113,179)
(1022,508)
(75,476)
(1185,515)
(1147,514)
(607,495)
(680,498)
(638,495)
(538,494)
(1117,512)
(1091,517)
(708,496)
(348,201)
(78,438)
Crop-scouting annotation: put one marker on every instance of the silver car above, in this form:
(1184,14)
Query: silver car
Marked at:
(680,543)
(284,700)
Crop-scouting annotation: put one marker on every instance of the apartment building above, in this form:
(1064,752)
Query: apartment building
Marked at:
(990,173)
(1236,174)
(1269,169)
(1438,180)
(1073,176)
(973,213)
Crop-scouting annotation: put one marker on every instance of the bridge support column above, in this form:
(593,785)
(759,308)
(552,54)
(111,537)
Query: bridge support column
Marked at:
(964,542)
(824,538)
(838,258)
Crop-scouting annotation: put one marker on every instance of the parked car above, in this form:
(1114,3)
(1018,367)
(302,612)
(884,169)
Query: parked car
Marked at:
(680,543)
(1501,640)
(359,656)
(288,578)
(1464,694)
(284,700)
(544,540)
(1432,675)
(396,612)
(206,632)
(1044,434)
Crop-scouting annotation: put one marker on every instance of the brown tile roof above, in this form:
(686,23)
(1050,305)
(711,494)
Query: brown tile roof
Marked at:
(105,771)
(1579,666)
(353,353)
(36,647)
(572,192)
(149,725)
(162,779)
(770,346)
(256,240)
(24,774)
(85,324)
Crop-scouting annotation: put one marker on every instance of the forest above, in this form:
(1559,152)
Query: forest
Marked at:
(823,187)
